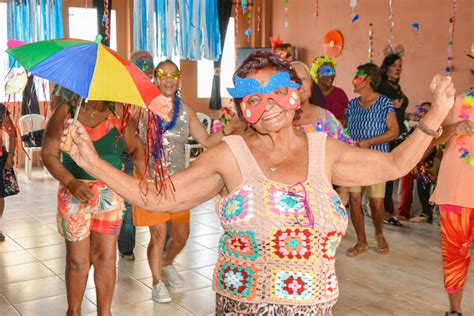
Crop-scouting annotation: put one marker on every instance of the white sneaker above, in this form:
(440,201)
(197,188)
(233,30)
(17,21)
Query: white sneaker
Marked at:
(160,293)
(172,276)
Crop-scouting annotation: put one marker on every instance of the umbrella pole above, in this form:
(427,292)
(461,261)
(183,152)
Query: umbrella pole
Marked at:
(68,143)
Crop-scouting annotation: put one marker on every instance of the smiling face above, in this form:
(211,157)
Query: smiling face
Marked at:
(326,75)
(360,81)
(306,82)
(167,79)
(394,71)
(276,115)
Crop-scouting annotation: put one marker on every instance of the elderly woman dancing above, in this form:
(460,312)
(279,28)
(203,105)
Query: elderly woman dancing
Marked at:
(282,219)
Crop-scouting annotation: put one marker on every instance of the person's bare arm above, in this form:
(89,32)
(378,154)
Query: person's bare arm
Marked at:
(194,185)
(50,153)
(199,133)
(392,132)
(10,128)
(349,166)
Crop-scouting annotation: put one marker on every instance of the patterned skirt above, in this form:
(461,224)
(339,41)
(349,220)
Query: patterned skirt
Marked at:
(227,306)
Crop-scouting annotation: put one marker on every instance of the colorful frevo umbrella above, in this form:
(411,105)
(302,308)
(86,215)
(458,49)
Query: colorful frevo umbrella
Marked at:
(90,69)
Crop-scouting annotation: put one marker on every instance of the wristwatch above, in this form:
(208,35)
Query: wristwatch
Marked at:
(429,131)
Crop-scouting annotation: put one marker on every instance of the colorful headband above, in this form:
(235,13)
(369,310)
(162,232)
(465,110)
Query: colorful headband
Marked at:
(326,71)
(248,86)
(162,74)
(318,62)
(144,64)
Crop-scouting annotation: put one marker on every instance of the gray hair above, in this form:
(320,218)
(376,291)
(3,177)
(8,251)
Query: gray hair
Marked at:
(302,64)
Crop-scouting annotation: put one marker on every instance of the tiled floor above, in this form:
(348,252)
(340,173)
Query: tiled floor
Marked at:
(408,281)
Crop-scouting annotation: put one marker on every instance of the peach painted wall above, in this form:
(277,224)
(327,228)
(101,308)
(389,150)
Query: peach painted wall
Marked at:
(425,50)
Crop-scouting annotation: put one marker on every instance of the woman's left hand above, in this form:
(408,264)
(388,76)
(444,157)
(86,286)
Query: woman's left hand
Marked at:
(10,162)
(443,92)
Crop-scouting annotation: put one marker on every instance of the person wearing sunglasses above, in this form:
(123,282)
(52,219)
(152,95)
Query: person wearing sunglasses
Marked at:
(371,121)
(323,72)
(182,122)
(281,217)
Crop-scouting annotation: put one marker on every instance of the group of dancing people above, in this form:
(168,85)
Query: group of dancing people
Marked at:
(282,172)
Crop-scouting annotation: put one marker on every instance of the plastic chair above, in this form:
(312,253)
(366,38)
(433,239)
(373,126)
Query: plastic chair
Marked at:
(192,144)
(29,123)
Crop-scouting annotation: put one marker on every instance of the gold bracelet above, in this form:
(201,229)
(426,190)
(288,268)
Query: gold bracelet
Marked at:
(429,131)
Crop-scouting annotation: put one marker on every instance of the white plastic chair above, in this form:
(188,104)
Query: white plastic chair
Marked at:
(206,122)
(29,123)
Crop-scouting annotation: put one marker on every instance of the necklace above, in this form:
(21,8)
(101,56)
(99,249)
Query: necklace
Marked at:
(273,166)
(167,126)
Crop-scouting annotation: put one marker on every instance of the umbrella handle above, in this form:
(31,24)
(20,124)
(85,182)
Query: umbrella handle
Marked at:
(68,143)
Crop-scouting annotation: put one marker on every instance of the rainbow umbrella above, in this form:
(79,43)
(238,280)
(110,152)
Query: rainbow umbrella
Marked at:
(90,69)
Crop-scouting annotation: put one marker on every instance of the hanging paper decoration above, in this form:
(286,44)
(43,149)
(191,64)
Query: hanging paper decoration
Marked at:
(354,15)
(316,8)
(286,13)
(258,18)
(415,26)
(105,20)
(392,24)
(371,33)
(275,42)
(244,4)
(452,24)
(248,31)
(333,43)
(461,141)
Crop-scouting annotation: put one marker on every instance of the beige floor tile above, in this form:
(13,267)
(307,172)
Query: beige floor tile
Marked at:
(197,259)
(58,265)
(396,282)
(30,230)
(201,229)
(150,308)
(435,296)
(430,270)
(199,302)
(138,269)
(127,291)
(56,305)
(204,218)
(209,241)
(7,309)
(23,272)
(354,294)
(26,221)
(40,241)
(34,289)
(352,312)
(192,246)
(9,245)
(49,252)
(16,257)
(216,225)
(206,271)
(400,306)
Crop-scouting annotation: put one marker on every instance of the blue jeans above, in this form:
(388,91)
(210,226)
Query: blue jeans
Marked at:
(126,241)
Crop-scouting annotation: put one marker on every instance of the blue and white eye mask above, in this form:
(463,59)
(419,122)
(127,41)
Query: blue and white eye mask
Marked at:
(255,96)
(326,71)
(248,86)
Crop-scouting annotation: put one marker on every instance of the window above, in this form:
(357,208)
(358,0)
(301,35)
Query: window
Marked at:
(83,25)
(205,71)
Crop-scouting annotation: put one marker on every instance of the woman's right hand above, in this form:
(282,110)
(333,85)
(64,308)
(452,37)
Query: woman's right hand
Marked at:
(80,190)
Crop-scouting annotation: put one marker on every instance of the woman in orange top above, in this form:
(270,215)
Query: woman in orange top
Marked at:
(455,198)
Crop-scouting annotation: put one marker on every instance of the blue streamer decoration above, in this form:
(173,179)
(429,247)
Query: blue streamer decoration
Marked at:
(185,28)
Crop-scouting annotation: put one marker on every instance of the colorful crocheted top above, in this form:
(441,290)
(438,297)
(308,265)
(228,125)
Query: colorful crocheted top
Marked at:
(269,252)
(329,124)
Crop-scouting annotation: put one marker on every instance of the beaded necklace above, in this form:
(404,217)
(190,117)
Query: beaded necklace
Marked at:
(461,139)
(171,124)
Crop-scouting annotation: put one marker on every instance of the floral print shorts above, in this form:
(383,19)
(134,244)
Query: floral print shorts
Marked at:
(102,214)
